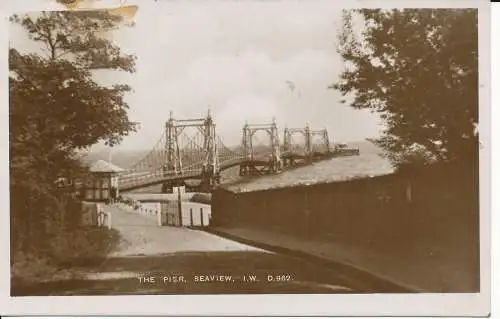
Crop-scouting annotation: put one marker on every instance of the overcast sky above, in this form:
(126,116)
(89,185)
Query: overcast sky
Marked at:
(235,57)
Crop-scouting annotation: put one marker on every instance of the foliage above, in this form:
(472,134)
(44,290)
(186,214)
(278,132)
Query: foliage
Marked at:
(56,109)
(418,69)
(202,198)
(78,36)
(61,83)
(87,246)
(64,104)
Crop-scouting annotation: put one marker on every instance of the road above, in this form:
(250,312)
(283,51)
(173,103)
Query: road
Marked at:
(169,260)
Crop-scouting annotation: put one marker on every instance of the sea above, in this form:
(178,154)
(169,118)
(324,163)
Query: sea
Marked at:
(335,169)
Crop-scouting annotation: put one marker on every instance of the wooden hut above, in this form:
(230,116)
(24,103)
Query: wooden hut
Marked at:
(103,181)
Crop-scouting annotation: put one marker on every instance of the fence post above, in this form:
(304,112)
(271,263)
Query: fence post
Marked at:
(306,212)
(201,216)
(158,217)
(191,216)
(100,221)
(180,205)
(109,220)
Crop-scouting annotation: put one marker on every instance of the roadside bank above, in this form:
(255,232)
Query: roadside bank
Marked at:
(87,247)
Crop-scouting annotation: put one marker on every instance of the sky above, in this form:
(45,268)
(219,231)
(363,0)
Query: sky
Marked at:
(245,60)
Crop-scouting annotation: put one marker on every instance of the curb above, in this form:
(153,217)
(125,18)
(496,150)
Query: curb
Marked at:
(358,278)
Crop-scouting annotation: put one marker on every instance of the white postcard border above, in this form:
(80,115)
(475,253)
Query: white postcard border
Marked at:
(250,305)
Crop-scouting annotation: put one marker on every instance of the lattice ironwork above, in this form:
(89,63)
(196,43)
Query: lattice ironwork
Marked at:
(314,141)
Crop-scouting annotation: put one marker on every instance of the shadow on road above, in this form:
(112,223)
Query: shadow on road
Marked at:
(224,272)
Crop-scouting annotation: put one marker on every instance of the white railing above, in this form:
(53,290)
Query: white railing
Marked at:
(140,178)
(151,177)
(136,207)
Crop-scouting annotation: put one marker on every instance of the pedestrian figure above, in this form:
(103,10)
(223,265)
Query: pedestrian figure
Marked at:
(114,194)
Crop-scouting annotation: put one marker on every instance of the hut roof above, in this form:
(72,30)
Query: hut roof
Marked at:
(101,166)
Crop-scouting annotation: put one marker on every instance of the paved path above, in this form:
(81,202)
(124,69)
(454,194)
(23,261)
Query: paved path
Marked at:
(142,236)
(168,260)
(418,267)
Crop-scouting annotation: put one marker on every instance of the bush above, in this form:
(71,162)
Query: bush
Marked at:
(46,231)
(30,267)
(85,243)
(202,198)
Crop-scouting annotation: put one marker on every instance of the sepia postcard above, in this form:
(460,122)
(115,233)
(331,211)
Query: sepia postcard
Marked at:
(246,158)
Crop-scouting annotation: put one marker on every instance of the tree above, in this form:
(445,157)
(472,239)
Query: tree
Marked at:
(78,36)
(56,109)
(56,106)
(418,69)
